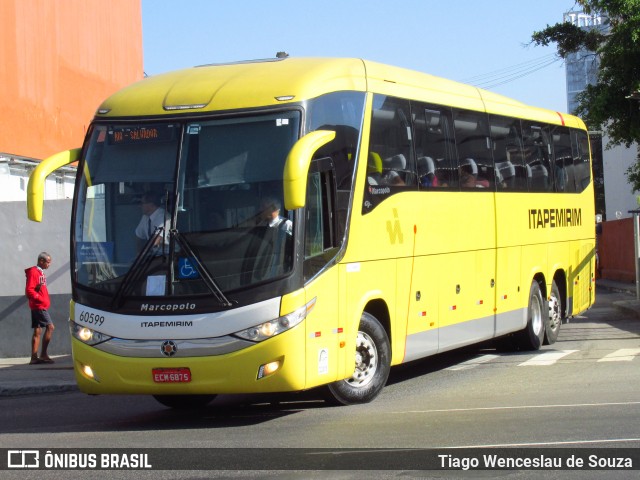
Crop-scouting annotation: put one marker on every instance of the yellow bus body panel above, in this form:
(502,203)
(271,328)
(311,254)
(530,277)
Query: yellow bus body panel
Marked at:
(236,372)
(235,86)
(325,331)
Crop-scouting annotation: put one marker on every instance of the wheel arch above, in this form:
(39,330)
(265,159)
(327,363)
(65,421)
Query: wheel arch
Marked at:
(379,309)
(540,278)
(560,277)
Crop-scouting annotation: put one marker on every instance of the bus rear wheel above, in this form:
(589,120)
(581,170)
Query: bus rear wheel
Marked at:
(532,336)
(372,365)
(184,402)
(552,328)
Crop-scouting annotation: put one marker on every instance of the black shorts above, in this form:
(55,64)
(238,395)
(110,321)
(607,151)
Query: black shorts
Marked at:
(40,318)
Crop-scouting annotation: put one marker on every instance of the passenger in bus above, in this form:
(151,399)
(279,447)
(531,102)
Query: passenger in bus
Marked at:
(427,172)
(392,178)
(270,247)
(153,218)
(270,215)
(469,175)
(391,167)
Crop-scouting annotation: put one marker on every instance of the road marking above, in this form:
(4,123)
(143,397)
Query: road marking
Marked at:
(474,362)
(547,444)
(622,355)
(521,407)
(546,358)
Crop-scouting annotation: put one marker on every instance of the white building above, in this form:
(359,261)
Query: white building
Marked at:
(14,176)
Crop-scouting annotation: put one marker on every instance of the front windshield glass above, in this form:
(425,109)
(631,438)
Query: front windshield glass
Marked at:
(183,209)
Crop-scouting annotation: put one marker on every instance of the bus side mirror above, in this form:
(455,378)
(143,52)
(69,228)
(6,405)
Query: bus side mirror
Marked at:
(35,187)
(296,167)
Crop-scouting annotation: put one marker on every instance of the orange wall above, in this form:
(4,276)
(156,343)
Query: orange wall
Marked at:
(616,250)
(58,60)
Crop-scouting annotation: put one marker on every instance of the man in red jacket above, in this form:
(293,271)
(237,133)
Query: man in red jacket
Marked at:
(38,295)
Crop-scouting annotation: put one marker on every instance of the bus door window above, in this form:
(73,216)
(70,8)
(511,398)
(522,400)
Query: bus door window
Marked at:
(506,142)
(563,160)
(435,147)
(341,112)
(581,159)
(473,145)
(391,140)
(537,156)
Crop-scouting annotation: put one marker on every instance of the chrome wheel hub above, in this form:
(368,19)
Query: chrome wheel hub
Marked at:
(366,361)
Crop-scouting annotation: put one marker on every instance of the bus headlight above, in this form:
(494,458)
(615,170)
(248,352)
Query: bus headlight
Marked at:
(87,335)
(272,328)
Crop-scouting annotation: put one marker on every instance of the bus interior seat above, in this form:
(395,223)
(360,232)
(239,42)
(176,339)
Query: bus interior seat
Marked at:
(469,165)
(505,174)
(426,166)
(374,168)
(397,162)
(538,176)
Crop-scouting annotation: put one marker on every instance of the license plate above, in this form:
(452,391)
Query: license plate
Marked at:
(171,375)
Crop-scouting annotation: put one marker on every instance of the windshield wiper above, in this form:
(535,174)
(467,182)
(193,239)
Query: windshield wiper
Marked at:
(138,267)
(206,276)
(146,255)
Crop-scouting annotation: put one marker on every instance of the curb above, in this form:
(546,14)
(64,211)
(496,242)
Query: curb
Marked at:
(38,389)
(631,307)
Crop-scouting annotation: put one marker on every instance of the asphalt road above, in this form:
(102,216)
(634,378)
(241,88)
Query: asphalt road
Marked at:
(581,393)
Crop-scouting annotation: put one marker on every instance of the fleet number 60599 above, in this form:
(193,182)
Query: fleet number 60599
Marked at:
(91,318)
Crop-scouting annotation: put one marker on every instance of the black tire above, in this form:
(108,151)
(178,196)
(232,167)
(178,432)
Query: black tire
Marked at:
(372,365)
(552,327)
(532,336)
(185,402)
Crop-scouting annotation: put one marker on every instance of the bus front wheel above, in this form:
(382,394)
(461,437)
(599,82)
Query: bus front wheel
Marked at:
(185,402)
(372,365)
(532,336)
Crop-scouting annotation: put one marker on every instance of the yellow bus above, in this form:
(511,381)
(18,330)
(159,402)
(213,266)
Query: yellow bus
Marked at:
(279,225)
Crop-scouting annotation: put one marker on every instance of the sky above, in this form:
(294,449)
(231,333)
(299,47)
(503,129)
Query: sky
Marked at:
(483,43)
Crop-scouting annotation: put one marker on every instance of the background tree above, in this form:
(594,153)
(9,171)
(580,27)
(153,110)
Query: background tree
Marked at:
(613,102)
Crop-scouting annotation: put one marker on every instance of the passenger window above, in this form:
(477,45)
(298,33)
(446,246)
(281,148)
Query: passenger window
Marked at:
(506,142)
(435,147)
(537,156)
(475,162)
(391,164)
(564,177)
(581,160)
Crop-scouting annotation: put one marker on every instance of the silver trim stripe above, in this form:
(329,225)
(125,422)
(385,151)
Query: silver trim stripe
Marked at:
(200,347)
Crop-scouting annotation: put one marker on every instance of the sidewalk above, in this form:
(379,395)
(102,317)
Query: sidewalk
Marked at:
(17,377)
(632,305)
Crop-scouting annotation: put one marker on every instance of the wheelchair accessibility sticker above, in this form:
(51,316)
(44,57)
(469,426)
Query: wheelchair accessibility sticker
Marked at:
(186,268)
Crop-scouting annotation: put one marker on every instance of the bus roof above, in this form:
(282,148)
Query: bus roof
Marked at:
(261,83)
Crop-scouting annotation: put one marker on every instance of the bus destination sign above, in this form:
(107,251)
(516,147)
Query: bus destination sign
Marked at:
(141,134)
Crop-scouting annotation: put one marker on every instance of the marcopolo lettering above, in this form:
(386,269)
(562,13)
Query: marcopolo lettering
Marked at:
(169,307)
(379,191)
(554,217)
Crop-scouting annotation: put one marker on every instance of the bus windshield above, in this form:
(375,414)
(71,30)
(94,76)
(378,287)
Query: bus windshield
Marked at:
(184,208)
